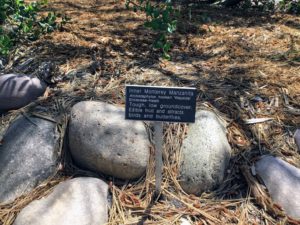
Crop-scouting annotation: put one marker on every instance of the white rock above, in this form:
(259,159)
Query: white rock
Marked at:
(282,181)
(80,201)
(205,154)
(17,90)
(184,221)
(103,141)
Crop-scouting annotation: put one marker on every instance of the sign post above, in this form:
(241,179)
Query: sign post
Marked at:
(158,139)
(160,104)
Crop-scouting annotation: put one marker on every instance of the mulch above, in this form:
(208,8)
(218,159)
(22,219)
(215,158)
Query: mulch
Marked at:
(245,66)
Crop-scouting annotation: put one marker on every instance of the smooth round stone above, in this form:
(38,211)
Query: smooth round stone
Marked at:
(282,181)
(101,140)
(80,201)
(18,90)
(205,154)
(28,156)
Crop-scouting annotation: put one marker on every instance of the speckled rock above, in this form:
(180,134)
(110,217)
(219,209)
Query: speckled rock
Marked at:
(103,141)
(80,201)
(205,154)
(28,156)
(18,90)
(282,181)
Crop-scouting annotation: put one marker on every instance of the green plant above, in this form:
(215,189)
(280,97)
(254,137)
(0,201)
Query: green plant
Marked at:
(20,20)
(161,18)
(5,44)
(290,6)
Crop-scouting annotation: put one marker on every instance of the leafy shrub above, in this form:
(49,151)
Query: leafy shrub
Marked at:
(290,6)
(287,6)
(161,18)
(20,20)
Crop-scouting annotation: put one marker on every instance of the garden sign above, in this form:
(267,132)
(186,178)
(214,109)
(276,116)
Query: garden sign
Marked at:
(160,104)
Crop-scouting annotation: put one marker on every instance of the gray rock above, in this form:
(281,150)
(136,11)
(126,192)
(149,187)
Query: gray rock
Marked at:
(27,156)
(205,154)
(80,201)
(282,181)
(17,90)
(3,63)
(297,138)
(103,141)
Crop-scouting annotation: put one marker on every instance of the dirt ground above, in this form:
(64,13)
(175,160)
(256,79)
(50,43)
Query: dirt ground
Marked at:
(244,65)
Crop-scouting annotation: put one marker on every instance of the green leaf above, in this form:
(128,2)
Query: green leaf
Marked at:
(127,5)
(166,56)
(156,13)
(158,44)
(6,44)
(167,47)
(149,9)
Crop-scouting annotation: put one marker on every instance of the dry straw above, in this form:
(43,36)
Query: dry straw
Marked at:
(230,64)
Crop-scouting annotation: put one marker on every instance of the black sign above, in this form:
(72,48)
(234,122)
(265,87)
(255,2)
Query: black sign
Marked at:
(160,103)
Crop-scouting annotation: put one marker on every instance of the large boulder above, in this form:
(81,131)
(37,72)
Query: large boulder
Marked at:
(28,156)
(103,141)
(80,201)
(282,181)
(18,90)
(205,154)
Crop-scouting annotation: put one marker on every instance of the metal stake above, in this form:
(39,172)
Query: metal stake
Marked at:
(158,139)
